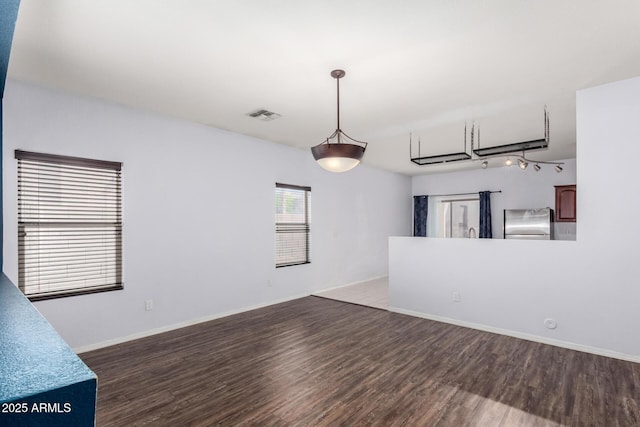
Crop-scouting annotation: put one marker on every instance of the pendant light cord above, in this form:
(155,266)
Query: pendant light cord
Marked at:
(338,109)
(338,134)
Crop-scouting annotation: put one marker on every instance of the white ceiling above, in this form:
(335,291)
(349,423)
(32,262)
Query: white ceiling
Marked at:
(423,67)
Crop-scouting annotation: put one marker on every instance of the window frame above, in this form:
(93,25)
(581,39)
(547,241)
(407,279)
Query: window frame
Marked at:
(282,227)
(435,204)
(71,218)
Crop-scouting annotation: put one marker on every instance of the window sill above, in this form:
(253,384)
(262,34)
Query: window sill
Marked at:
(291,265)
(43,297)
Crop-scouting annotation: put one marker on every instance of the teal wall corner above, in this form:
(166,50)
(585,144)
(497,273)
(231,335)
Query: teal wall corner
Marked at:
(8,17)
(43,381)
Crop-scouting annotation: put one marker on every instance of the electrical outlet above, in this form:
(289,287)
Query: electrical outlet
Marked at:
(455,296)
(148,305)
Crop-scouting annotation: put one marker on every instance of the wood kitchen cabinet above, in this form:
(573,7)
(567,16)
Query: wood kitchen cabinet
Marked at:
(565,203)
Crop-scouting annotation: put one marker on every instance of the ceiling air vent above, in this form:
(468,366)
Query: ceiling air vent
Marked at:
(264,115)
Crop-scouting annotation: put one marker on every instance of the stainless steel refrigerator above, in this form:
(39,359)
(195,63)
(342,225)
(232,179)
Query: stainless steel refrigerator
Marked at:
(530,224)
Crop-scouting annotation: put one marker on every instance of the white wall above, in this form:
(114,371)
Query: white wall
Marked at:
(198,214)
(526,189)
(590,286)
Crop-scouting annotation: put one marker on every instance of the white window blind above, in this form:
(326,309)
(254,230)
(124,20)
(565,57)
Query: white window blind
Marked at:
(69,225)
(293,207)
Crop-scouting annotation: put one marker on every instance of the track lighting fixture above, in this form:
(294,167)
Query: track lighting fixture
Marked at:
(523,164)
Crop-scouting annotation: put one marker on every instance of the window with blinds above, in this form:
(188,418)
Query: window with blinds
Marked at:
(293,207)
(69,225)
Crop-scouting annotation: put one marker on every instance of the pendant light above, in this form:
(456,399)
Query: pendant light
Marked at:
(339,152)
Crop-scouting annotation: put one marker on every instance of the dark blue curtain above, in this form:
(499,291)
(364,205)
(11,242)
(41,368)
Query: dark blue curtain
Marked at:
(420,215)
(485,215)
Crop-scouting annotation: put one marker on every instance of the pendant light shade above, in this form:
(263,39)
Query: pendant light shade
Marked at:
(337,157)
(339,152)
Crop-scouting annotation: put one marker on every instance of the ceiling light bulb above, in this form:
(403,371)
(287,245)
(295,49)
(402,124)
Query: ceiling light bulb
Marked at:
(558,168)
(508,162)
(536,167)
(523,164)
(338,164)
(485,164)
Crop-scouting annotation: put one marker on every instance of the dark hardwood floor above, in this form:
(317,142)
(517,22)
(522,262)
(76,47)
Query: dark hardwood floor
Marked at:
(315,361)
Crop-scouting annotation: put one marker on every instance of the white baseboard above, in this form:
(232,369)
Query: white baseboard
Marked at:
(521,335)
(143,334)
(348,284)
